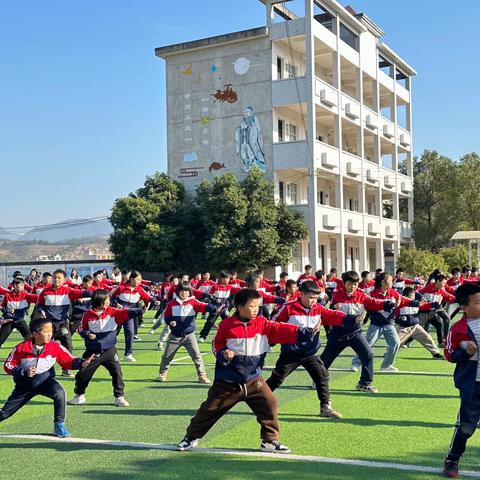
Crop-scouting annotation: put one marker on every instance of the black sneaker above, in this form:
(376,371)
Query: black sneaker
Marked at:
(438,356)
(273,447)
(450,469)
(187,444)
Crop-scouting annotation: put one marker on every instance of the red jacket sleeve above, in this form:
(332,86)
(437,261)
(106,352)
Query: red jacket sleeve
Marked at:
(75,294)
(121,315)
(200,307)
(12,361)
(372,304)
(282,315)
(331,317)
(278,332)
(32,298)
(448,297)
(144,295)
(64,358)
(220,341)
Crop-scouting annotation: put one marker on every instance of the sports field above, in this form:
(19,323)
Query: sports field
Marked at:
(408,423)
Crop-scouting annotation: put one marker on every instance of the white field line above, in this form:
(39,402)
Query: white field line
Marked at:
(175,361)
(243,453)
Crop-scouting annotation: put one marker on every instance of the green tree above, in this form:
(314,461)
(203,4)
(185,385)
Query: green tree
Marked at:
(468,193)
(435,200)
(416,261)
(148,224)
(454,256)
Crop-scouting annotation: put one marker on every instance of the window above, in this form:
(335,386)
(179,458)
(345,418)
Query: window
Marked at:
(290,132)
(349,37)
(279,68)
(292,193)
(280,130)
(290,70)
(323,198)
(372,258)
(297,258)
(323,257)
(281,191)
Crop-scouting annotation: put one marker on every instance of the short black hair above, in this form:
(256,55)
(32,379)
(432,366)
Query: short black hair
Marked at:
(224,274)
(464,291)
(399,270)
(380,278)
(37,324)
(98,298)
(184,287)
(18,280)
(284,274)
(334,271)
(440,278)
(350,276)
(308,267)
(126,271)
(319,274)
(251,278)
(365,273)
(378,270)
(407,291)
(87,278)
(290,282)
(17,273)
(46,274)
(244,295)
(455,270)
(309,286)
(134,274)
(60,271)
(98,272)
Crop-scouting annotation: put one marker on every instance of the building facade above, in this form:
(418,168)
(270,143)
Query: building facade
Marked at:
(319,103)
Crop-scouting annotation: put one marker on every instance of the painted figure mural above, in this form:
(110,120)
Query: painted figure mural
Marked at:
(249,142)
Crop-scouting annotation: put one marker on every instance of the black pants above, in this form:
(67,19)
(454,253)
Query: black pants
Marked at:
(445,319)
(337,342)
(467,420)
(75,323)
(6,330)
(313,365)
(61,332)
(50,389)
(109,360)
(435,321)
(210,322)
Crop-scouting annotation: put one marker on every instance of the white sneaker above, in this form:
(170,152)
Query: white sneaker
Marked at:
(77,400)
(152,332)
(160,346)
(204,379)
(390,368)
(274,447)
(121,402)
(129,358)
(187,444)
(137,338)
(201,339)
(161,378)
(354,368)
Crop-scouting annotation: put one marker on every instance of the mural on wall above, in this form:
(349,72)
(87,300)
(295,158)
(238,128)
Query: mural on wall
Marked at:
(241,66)
(249,142)
(216,166)
(205,128)
(189,172)
(228,94)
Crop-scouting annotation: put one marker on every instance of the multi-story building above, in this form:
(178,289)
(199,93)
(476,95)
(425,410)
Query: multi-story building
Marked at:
(322,106)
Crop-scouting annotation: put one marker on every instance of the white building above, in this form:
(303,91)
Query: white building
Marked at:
(319,102)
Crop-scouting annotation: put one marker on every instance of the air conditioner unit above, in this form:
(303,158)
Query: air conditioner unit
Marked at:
(329,222)
(387,130)
(389,231)
(351,226)
(371,121)
(351,171)
(388,182)
(405,139)
(405,187)
(372,229)
(352,110)
(326,162)
(370,176)
(328,97)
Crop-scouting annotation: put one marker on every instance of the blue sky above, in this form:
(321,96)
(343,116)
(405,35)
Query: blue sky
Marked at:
(82,96)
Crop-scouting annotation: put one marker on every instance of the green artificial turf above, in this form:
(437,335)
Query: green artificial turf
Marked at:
(410,421)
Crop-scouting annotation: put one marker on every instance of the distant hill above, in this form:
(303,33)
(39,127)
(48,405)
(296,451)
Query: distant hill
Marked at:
(67,230)
(6,235)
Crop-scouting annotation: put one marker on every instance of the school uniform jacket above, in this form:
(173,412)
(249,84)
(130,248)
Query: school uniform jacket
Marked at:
(183,312)
(408,316)
(295,313)
(55,302)
(439,295)
(23,357)
(104,325)
(129,297)
(381,318)
(250,340)
(15,305)
(465,374)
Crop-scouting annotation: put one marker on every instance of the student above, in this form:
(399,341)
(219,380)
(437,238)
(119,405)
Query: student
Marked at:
(306,275)
(306,312)
(400,281)
(180,317)
(80,306)
(46,281)
(234,280)
(128,295)
(407,323)
(222,293)
(54,302)
(99,330)
(461,348)
(14,310)
(333,282)
(292,291)
(266,299)
(281,285)
(353,302)
(240,346)
(381,322)
(32,364)
(367,285)
(205,284)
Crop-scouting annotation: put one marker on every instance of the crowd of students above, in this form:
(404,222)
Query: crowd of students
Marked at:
(255,314)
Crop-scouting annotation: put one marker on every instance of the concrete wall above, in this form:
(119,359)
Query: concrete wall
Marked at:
(202,128)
